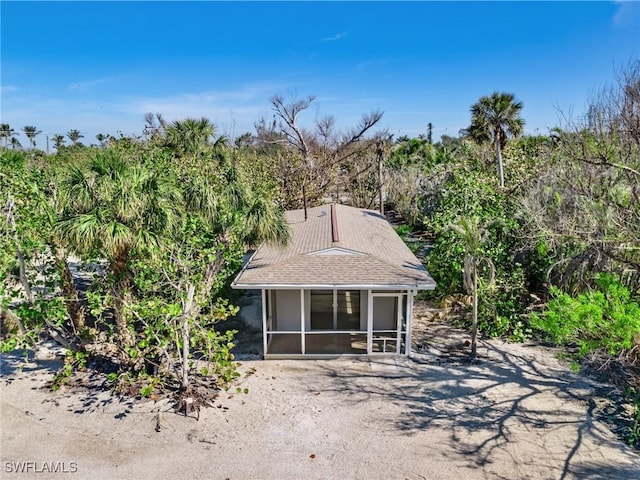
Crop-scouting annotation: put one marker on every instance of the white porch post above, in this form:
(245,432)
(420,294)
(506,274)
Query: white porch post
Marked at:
(399,315)
(302,320)
(335,309)
(410,295)
(264,322)
(369,322)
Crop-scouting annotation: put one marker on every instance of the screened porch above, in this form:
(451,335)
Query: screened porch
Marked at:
(334,322)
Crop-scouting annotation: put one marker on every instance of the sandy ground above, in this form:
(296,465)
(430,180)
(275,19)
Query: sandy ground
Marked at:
(517,414)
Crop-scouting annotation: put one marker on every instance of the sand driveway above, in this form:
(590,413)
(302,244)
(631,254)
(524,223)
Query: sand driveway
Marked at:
(517,414)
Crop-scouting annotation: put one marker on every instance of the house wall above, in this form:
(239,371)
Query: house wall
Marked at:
(288,310)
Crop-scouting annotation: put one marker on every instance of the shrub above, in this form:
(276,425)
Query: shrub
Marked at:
(503,306)
(602,319)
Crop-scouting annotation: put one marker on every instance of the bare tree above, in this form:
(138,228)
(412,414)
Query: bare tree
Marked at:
(322,152)
(288,113)
(155,125)
(588,201)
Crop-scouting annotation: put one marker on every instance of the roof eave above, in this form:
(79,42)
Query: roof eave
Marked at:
(329,286)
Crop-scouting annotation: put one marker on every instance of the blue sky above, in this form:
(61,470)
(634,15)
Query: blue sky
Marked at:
(100,66)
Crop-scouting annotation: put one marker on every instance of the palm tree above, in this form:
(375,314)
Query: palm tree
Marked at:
(101,137)
(496,118)
(116,208)
(15,144)
(473,236)
(4,132)
(189,135)
(261,220)
(7,133)
(31,132)
(58,141)
(234,213)
(74,136)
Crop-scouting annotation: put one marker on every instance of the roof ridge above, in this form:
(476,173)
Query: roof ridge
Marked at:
(397,267)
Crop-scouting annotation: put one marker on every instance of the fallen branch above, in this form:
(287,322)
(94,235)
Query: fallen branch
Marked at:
(8,316)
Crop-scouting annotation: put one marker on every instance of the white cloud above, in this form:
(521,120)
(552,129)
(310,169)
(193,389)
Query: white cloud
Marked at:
(229,109)
(233,111)
(5,89)
(372,64)
(628,14)
(335,37)
(87,84)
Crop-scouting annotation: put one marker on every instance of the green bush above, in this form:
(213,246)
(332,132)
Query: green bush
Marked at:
(602,319)
(503,305)
(403,231)
(632,433)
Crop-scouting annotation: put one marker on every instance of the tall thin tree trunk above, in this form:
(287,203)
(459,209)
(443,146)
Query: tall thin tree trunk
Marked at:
(499,162)
(10,320)
(185,352)
(120,290)
(474,322)
(24,280)
(304,200)
(69,290)
(380,193)
(187,308)
(23,274)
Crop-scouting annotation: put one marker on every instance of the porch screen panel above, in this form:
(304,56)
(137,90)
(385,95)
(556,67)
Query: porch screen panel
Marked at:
(405,342)
(321,309)
(348,309)
(385,313)
(385,325)
(287,306)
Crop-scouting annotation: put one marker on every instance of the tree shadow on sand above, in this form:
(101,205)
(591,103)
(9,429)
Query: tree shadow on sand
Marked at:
(505,407)
(18,361)
(83,392)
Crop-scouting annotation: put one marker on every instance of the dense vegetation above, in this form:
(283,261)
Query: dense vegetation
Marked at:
(554,254)
(541,232)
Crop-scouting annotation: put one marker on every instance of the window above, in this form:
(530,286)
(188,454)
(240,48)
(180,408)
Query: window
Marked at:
(348,310)
(321,309)
(335,309)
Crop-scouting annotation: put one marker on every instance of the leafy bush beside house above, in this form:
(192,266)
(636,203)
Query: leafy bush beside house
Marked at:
(603,319)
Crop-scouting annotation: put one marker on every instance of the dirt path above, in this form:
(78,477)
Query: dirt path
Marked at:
(518,414)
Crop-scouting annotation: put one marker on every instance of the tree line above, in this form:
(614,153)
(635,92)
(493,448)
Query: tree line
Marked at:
(536,235)
(8,137)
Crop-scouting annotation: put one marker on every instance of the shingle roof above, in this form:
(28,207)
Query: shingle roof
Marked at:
(368,253)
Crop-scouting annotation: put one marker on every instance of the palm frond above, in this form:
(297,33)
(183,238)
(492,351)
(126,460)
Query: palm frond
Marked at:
(264,222)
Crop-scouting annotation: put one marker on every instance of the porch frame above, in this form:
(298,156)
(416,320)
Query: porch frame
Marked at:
(268,299)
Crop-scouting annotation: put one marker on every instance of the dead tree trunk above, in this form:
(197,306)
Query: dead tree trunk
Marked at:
(69,290)
(380,194)
(187,309)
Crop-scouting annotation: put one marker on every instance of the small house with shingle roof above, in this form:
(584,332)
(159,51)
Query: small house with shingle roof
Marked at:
(344,285)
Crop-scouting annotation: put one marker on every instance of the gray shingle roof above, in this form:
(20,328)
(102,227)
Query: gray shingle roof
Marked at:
(369,253)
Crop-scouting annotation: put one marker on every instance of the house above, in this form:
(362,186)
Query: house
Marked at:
(344,285)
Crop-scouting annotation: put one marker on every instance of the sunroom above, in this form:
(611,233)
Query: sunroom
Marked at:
(344,285)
